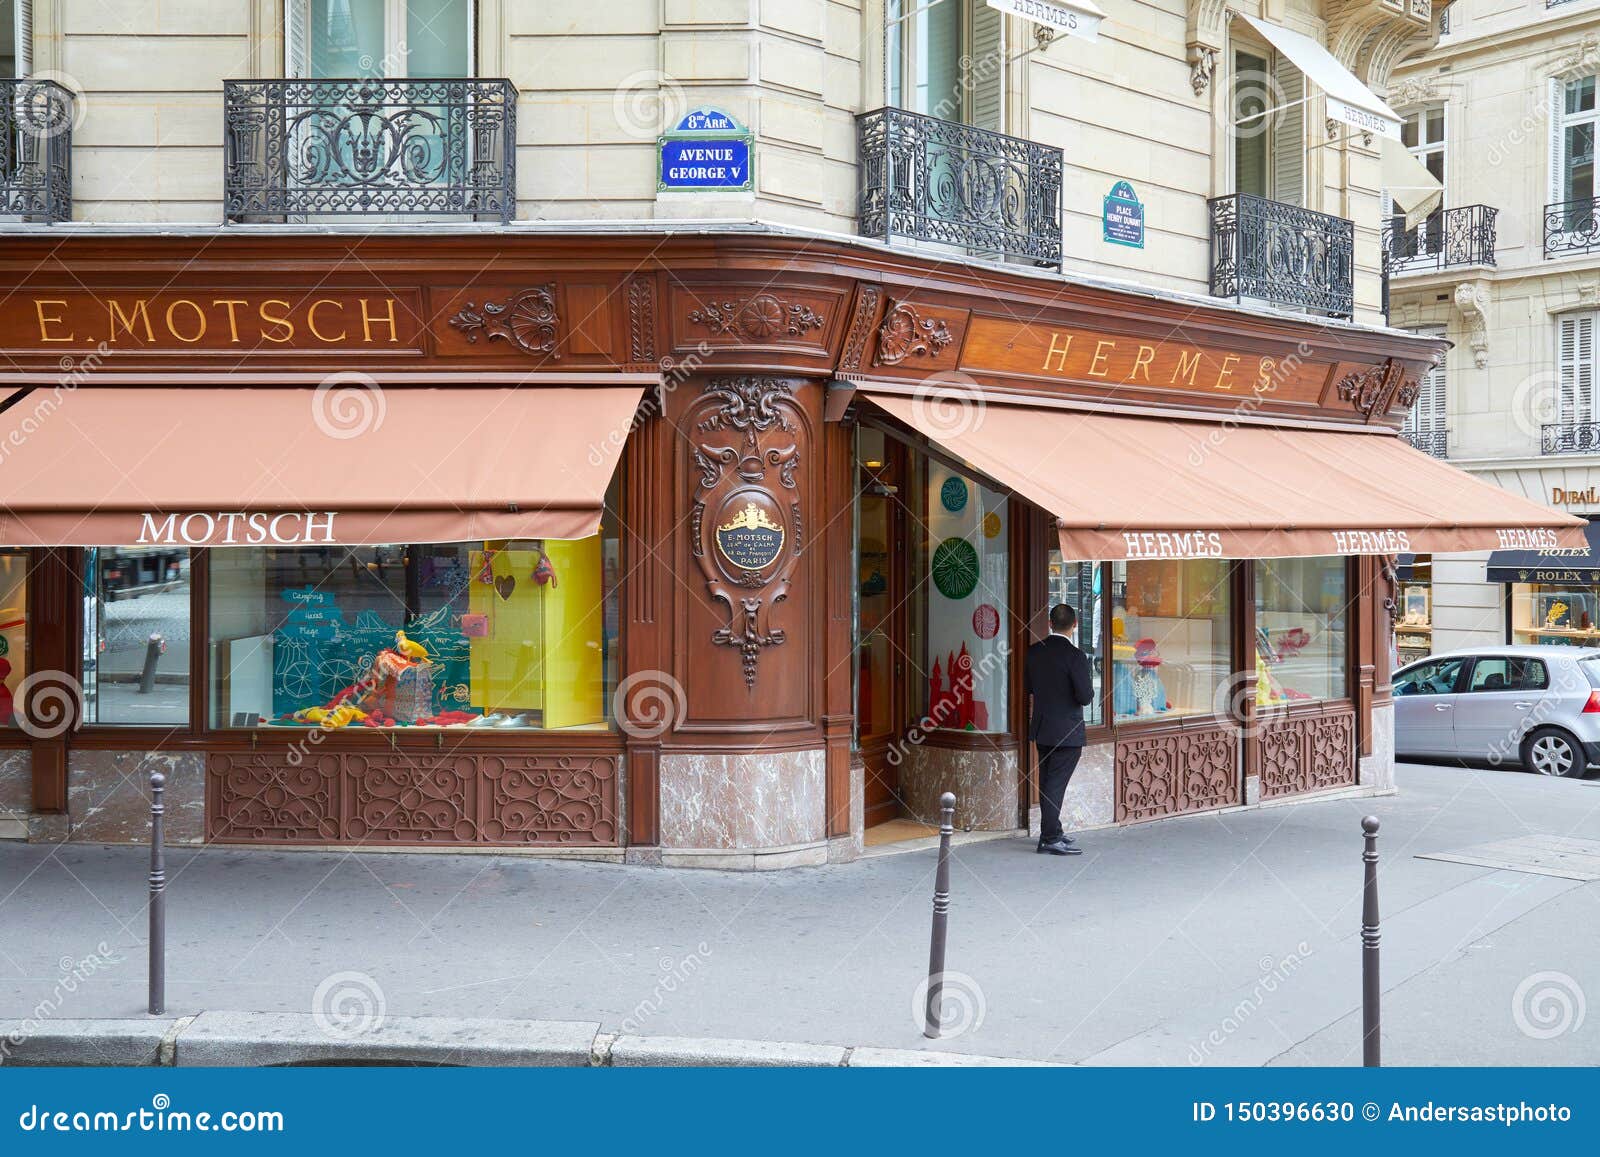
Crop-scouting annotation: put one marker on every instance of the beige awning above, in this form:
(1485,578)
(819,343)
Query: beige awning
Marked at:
(276,467)
(1416,191)
(1135,487)
(1070,17)
(1347,100)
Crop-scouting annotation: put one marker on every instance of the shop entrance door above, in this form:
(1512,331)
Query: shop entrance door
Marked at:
(881,620)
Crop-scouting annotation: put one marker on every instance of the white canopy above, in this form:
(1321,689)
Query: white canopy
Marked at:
(1416,191)
(1348,99)
(1074,17)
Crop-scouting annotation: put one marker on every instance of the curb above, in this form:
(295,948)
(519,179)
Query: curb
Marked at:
(255,1039)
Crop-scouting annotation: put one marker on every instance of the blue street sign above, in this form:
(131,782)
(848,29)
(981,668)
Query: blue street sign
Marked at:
(1122,216)
(708,150)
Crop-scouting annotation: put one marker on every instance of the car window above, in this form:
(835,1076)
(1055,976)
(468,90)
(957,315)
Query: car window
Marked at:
(1436,678)
(1531,674)
(1492,674)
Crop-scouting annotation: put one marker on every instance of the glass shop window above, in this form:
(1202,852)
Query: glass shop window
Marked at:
(498,635)
(1080,586)
(136,615)
(1555,613)
(13,631)
(965,567)
(1301,630)
(1170,624)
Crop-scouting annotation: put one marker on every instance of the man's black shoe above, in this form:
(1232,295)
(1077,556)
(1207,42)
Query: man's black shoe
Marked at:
(1059,848)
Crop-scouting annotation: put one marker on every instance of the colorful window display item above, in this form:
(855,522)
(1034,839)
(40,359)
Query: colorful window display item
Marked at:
(1170,637)
(480,635)
(966,600)
(1301,640)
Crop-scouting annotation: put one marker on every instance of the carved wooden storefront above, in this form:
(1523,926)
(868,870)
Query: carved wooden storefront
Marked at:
(1308,751)
(1169,772)
(411,798)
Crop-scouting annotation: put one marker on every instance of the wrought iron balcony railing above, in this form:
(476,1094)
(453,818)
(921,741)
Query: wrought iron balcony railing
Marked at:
(1461,236)
(1571,227)
(926,179)
(325,148)
(1283,254)
(1434,442)
(1569,438)
(35,151)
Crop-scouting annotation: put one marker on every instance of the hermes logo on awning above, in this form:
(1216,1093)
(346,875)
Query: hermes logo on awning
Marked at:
(1173,544)
(1371,542)
(1528,539)
(236,528)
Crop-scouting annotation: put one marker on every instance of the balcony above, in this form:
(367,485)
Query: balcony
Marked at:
(1569,438)
(35,151)
(1432,442)
(297,149)
(1282,254)
(1571,227)
(981,192)
(1449,237)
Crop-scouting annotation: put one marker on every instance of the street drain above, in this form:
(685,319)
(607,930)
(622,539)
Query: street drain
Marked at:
(1560,856)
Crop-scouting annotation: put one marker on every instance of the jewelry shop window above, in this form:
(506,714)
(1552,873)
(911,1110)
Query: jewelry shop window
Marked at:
(966,570)
(1555,613)
(1080,586)
(1301,630)
(13,631)
(136,616)
(1170,632)
(503,636)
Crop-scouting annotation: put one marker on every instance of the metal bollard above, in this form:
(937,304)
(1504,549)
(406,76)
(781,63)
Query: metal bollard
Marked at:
(1371,991)
(152,656)
(941,915)
(158,888)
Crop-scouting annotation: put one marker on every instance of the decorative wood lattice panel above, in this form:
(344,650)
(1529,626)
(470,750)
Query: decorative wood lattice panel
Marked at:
(1173,772)
(412,798)
(1306,753)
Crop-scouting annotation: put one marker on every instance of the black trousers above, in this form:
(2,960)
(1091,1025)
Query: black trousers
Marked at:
(1056,765)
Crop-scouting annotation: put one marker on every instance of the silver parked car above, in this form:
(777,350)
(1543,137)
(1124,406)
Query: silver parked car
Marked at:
(1538,706)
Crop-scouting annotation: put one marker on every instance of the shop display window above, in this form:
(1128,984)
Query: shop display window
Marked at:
(1301,642)
(503,635)
(966,571)
(136,637)
(1170,631)
(1555,613)
(1081,586)
(13,631)
(1413,634)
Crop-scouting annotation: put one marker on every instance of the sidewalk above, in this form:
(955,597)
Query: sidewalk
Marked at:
(1215,939)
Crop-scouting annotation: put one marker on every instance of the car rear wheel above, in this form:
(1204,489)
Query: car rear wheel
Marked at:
(1552,752)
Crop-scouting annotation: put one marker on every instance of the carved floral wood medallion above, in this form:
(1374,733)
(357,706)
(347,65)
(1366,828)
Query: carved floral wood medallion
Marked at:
(761,317)
(746,524)
(906,333)
(1378,389)
(1171,772)
(527,320)
(404,797)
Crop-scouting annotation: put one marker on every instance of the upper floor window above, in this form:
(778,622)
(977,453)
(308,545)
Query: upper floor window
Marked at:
(1428,416)
(947,60)
(1576,353)
(1422,133)
(378,38)
(1267,100)
(1572,145)
(16,38)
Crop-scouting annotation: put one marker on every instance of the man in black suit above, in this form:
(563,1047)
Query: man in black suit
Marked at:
(1061,684)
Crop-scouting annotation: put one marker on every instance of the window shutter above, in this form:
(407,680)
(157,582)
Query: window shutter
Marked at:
(1431,411)
(24,36)
(1576,403)
(296,20)
(987,69)
(1288,134)
(1558,160)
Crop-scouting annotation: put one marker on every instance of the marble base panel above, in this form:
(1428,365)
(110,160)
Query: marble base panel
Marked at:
(1376,771)
(108,798)
(984,782)
(742,802)
(16,786)
(1091,800)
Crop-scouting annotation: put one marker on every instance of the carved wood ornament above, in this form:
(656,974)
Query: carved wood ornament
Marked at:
(1375,390)
(527,320)
(906,333)
(762,317)
(746,523)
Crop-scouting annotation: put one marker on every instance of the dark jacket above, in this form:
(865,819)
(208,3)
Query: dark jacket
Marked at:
(1059,678)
